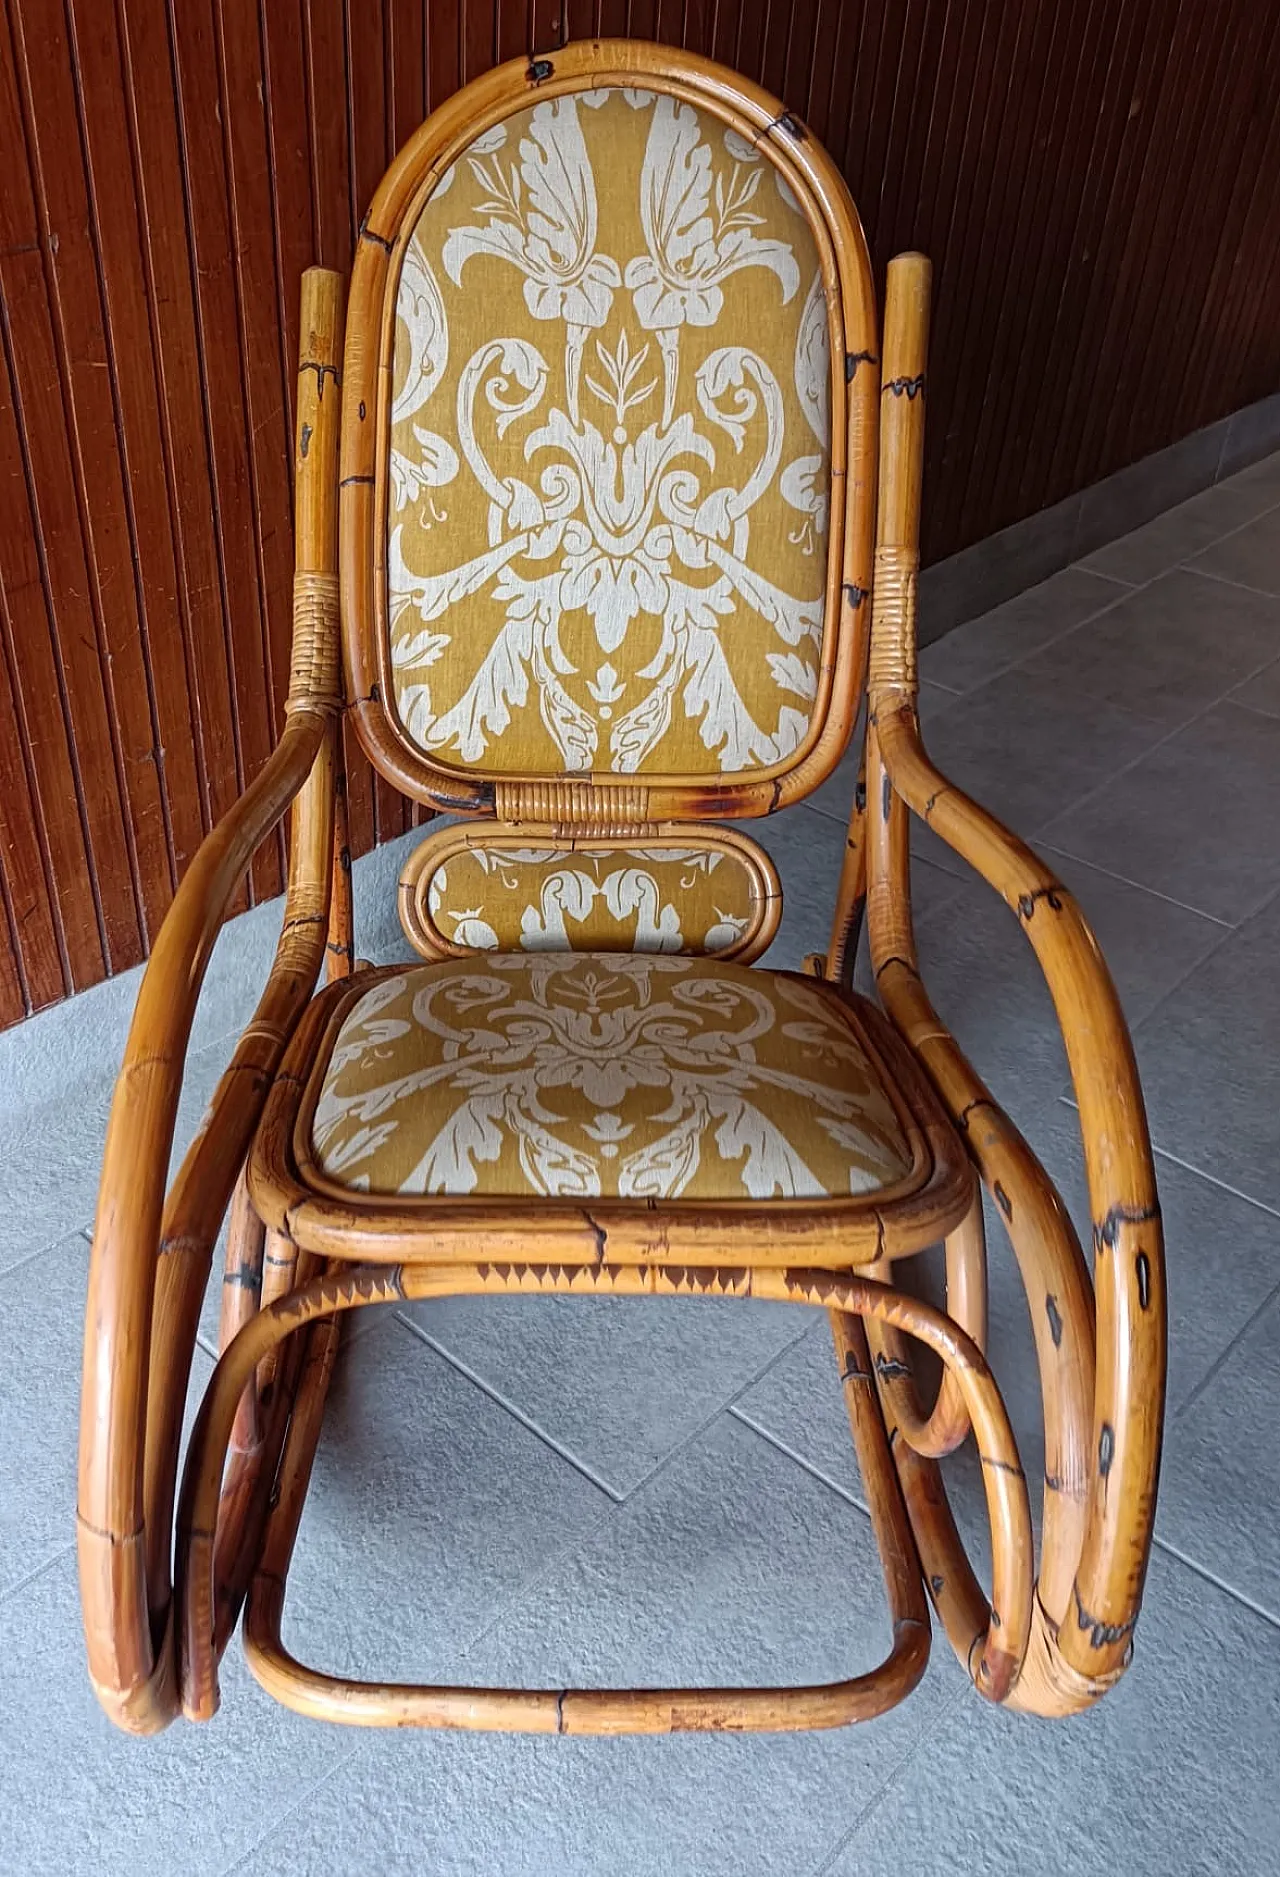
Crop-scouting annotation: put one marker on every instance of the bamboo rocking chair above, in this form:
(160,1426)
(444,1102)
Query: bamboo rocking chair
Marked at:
(589,546)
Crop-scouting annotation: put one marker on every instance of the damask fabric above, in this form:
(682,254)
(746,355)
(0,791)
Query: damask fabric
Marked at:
(610,428)
(589,1075)
(510,897)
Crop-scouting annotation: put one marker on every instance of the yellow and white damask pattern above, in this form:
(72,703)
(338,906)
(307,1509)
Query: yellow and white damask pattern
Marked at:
(609,473)
(588,1075)
(508,897)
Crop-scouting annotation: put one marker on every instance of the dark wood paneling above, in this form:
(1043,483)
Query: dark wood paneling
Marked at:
(1096,184)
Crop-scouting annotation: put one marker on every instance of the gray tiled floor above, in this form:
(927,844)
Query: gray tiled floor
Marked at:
(551,1490)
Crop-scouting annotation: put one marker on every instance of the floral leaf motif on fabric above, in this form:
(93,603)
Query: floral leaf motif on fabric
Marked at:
(639,899)
(803,482)
(576,1076)
(435,466)
(542,216)
(420,309)
(698,228)
(618,556)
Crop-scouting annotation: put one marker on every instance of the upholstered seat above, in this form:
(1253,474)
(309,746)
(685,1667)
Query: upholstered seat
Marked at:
(586,1074)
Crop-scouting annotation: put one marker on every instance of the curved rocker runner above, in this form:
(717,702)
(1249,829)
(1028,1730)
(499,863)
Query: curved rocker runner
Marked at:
(607,517)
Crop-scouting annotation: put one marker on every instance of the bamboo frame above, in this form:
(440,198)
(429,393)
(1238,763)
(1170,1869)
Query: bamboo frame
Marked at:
(150,1258)
(946,1425)
(1102,1364)
(303,1252)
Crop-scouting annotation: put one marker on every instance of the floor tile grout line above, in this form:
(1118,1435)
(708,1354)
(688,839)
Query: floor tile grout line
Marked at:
(1078,567)
(1115,775)
(1201,1173)
(1152,892)
(1219,1583)
(725,1407)
(1215,1179)
(1125,592)
(1188,562)
(528,1585)
(1044,644)
(1256,710)
(1223,1357)
(814,1472)
(1128,592)
(616,1496)
(1225,580)
(502,1401)
(42,1251)
(39,1571)
(1189,1166)
(1257,671)
(282,1818)
(1228,926)
(1120,579)
(1268,900)
(1235,703)
(891,1779)
(1033,835)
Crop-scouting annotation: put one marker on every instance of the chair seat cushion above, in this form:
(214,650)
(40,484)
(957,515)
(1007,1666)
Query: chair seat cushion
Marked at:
(589,1074)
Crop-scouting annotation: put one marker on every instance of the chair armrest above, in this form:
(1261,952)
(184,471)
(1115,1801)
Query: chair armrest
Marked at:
(150,1263)
(1128,1252)
(1097,1592)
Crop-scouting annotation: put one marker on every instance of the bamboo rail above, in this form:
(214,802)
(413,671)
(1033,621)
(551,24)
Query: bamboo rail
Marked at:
(997,1658)
(150,1259)
(1103,1410)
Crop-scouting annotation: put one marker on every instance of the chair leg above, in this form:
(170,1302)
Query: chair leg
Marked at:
(899,1559)
(260,1267)
(242,1290)
(340,948)
(241,1301)
(604,1711)
(945,1427)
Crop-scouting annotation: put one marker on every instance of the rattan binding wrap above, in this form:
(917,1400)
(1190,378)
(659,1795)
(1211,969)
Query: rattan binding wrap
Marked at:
(315,668)
(893,623)
(585,808)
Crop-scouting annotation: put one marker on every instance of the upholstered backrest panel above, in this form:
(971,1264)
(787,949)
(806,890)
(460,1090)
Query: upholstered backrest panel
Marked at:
(610,467)
(703,890)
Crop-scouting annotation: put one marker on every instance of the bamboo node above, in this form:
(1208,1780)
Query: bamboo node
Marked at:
(315,670)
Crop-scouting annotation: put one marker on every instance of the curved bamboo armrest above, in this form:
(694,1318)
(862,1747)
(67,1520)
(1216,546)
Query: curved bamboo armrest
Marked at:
(1093,1571)
(150,1260)
(1128,1251)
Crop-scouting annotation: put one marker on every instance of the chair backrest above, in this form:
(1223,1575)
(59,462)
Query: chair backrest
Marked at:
(608,457)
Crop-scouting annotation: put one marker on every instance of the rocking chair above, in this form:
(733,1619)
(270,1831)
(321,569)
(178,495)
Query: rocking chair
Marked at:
(586,516)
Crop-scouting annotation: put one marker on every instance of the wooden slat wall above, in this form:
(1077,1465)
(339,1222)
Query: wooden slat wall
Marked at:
(1096,184)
